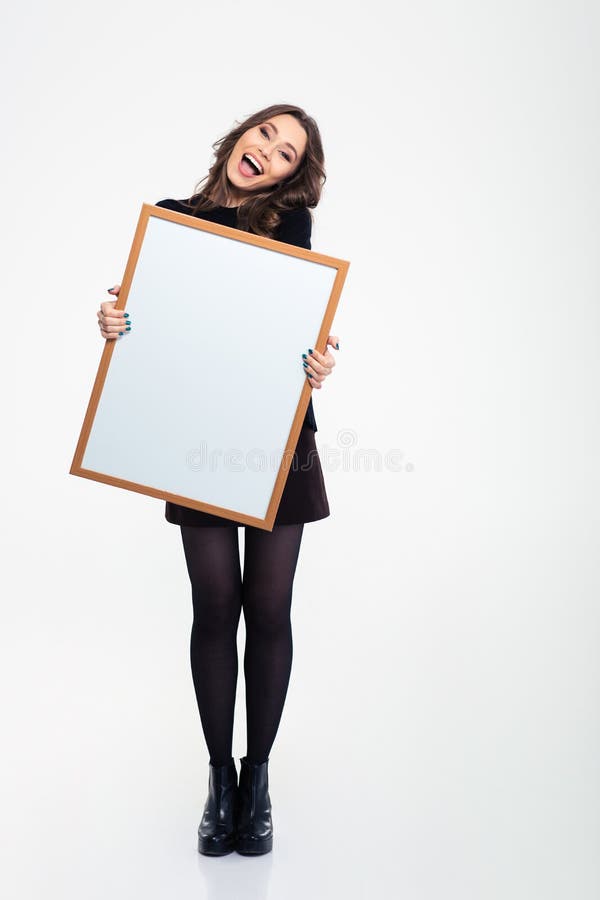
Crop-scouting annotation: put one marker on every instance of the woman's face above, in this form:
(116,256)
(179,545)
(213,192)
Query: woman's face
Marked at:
(266,154)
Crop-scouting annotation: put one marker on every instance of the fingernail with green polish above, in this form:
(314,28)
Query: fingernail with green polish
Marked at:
(305,364)
(128,328)
(304,356)
(337,346)
(121,334)
(126,315)
(310,351)
(309,375)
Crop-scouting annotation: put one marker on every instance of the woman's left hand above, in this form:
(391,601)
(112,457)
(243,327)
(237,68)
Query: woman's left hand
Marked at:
(318,366)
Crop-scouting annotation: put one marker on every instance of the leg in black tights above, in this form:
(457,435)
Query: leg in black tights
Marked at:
(212,557)
(213,561)
(269,565)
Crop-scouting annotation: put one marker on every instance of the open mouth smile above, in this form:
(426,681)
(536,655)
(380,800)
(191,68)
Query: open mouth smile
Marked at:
(250,166)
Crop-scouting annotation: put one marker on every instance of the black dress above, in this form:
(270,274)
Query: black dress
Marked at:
(304,498)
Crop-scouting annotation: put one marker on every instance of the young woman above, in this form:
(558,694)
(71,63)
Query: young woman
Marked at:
(267,172)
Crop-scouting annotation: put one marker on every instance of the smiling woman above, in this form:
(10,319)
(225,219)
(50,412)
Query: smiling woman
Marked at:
(284,169)
(267,175)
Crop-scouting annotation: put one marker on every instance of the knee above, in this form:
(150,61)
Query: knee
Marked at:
(268,614)
(216,612)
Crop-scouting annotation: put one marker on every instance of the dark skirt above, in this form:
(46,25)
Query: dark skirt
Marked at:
(304,498)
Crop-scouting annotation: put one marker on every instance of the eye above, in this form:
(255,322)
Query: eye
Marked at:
(264,131)
(285,155)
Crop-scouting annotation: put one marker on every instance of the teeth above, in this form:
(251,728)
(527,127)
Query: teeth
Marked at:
(255,161)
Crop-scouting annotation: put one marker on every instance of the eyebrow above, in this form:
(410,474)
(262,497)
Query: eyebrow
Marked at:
(286,143)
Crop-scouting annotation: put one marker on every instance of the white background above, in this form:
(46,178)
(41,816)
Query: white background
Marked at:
(440,736)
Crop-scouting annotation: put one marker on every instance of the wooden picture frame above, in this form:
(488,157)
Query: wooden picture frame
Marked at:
(212,365)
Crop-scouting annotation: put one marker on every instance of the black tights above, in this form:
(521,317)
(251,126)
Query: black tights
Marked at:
(219,593)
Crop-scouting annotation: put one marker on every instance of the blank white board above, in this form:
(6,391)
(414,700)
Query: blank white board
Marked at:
(203,401)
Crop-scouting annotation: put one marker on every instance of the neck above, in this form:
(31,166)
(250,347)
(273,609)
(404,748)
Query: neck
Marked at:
(222,198)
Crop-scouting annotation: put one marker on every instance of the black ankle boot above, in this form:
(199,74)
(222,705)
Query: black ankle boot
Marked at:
(216,832)
(254,828)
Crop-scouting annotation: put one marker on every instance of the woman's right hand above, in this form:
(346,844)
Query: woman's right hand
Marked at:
(112,322)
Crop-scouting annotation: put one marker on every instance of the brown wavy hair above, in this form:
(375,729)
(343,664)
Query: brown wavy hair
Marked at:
(261,212)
